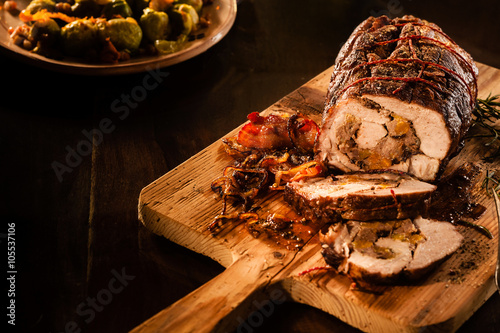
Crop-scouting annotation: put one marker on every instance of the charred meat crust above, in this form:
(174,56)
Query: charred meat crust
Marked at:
(413,61)
(379,39)
(322,210)
(360,196)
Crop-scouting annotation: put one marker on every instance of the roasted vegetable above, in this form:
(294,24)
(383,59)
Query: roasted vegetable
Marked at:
(161,5)
(79,36)
(191,12)
(154,24)
(107,29)
(138,7)
(47,32)
(117,8)
(170,46)
(124,33)
(181,20)
(86,8)
(37,5)
(196,4)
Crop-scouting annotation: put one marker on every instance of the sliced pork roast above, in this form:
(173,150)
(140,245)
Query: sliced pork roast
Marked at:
(360,196)
(400,97)
(386,252)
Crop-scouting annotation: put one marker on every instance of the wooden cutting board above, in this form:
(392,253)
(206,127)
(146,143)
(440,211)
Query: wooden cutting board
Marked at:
(260,274)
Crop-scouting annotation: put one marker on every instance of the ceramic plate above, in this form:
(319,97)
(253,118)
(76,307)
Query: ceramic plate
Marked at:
(222,15)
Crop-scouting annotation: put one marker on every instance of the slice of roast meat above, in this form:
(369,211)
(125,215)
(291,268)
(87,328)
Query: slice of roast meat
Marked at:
(381,262)
(400,97)
(359,196)
(441,240)
(389,251)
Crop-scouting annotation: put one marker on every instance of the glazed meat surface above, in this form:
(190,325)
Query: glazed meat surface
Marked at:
(400,97)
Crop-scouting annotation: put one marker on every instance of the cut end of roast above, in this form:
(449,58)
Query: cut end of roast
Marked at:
(401,97)
(377,132)
(385,252)
(359,196)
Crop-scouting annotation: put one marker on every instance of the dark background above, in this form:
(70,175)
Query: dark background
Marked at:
(72,235)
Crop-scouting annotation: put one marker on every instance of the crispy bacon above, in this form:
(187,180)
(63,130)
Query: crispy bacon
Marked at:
(265,132)
(278,131)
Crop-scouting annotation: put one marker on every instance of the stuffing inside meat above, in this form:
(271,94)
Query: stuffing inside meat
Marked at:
(388,251)
(381,135)
(400,97)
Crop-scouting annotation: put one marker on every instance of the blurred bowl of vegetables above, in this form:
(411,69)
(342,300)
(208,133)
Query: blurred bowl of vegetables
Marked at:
(103,37)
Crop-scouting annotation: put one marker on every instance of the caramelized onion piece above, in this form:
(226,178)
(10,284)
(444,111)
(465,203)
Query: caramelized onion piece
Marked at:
(241,183)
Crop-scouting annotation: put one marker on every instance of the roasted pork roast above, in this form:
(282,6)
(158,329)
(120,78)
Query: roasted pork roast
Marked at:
(400,97)
(362,196)
(388,251)
(397,109)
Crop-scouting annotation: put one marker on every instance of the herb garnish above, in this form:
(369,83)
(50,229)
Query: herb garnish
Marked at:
(491,183)
(487,116)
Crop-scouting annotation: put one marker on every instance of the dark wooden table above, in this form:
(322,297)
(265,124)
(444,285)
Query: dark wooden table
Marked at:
(84,262)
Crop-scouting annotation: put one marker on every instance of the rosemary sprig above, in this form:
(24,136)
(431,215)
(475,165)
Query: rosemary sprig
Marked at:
(491,183)
(487,116)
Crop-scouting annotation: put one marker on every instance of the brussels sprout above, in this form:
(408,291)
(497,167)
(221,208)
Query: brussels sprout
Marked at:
(170,46)
(160,5)
(117,8)
(79,36)
(86,8)
(138,7)
(196,4)
(124,33)
(38,5)
(45,31)
(182,23)
(154,24)
(191,11)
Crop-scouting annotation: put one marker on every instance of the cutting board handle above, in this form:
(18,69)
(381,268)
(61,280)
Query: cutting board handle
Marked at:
(220,305)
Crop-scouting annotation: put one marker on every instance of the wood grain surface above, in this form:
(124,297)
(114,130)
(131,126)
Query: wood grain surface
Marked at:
(180,205)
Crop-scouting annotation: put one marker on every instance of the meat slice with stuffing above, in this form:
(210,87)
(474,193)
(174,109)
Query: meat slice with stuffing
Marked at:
(389,251)
(400,97)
